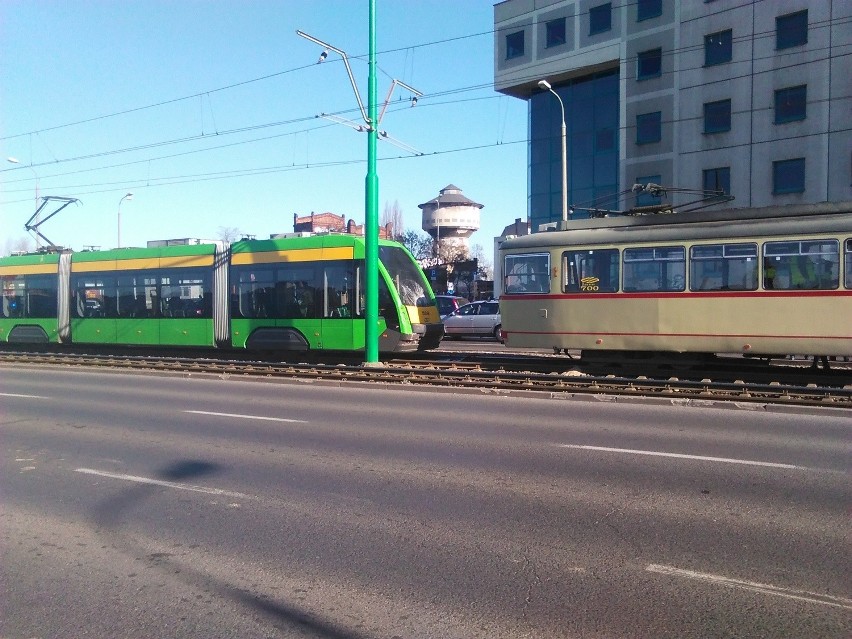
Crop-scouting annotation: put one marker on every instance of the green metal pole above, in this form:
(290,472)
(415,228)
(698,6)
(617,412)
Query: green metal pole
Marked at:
(371,230)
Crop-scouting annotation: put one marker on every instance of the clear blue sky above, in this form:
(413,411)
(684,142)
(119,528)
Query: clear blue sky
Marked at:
(205,110)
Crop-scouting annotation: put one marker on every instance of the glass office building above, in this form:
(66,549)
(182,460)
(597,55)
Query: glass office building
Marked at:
(591,118)
(748,98)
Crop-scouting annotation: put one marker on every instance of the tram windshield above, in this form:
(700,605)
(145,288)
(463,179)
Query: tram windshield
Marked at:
(406,276)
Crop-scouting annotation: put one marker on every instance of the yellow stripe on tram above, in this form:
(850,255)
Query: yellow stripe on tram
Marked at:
(30,269)
(302,255)
(184,261)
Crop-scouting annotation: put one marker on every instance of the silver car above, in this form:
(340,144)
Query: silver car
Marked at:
(477,319)
(449,303)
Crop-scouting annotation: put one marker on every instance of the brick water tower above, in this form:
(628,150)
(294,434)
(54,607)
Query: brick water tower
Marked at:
(451,219)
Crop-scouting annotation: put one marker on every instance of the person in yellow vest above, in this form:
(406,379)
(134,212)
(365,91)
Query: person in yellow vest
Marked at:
(803,273)
(768,273)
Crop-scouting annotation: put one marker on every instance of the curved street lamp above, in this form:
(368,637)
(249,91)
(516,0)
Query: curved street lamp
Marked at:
(545,85)
(129,196)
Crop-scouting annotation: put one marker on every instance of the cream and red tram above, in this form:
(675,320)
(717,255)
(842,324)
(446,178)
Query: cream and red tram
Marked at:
(778,283)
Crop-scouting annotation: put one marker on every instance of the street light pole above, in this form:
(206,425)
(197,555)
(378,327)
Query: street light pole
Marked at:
(438,235)
(129,196)
(371,222)
(544,84)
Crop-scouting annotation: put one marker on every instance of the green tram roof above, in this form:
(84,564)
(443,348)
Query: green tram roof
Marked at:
(29,259)
(330,240)
(242,246)
(137,253)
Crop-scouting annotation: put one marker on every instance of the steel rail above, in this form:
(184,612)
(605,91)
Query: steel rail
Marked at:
(451,375)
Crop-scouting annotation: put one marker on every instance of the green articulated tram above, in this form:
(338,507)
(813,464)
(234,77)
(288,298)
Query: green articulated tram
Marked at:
(283,294)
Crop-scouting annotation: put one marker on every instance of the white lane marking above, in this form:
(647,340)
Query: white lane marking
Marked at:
(267,419)
(789,593)
(24,396)
(654,453)
(159,482)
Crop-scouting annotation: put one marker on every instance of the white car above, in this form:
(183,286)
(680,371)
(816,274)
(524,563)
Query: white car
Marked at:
(476,319)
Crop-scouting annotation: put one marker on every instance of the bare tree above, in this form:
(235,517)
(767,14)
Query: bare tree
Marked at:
(449,251)
(486,268)
(419,243)
(393,215)
(228,234)
(19,245)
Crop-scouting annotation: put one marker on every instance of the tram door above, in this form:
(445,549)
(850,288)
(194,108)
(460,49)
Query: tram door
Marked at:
(339,300)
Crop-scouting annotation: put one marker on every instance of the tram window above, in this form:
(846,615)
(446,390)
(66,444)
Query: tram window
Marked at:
(339,286)
(94,296)
(186,293)
(252,292)
(660,268)
(723,267)
(298,294)
(528,273)
(590,271)
(405,274)
(848,264)
(137,296)
(152,296)
(805,264)
(41,296)
(13,296)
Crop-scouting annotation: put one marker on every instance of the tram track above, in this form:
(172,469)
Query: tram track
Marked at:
(474,375)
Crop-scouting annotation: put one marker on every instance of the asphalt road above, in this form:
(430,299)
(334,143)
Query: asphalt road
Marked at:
(148,506)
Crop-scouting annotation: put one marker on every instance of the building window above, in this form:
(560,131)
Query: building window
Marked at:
(646,9)
(788,176)
(718,48)
(515,45)
(649,127)
(791,30)
(649,64)
(648,198)
(554,33)
(605,139)
(718,179)
(600,18)
(791,104)
(717,116)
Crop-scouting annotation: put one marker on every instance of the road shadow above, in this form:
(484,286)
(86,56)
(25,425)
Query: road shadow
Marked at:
(285,617)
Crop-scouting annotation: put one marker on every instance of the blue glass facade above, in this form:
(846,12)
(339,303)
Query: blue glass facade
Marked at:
(591,117)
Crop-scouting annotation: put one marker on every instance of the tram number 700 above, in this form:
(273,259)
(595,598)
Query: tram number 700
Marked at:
(590,284)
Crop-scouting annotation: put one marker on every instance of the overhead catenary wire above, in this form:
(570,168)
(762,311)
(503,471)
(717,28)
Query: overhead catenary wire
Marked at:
(425,103)
(362,57)
(429,100)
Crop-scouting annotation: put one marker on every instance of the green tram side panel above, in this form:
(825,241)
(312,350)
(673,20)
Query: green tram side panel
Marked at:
(143,331)
(170,331)
(93,331)
(48,325)
(321,334)
(36,264)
